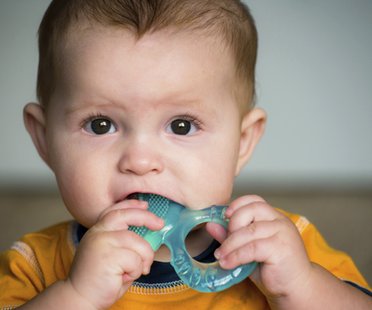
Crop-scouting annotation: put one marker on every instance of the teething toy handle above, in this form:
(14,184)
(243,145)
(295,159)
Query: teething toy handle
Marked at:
(201,276)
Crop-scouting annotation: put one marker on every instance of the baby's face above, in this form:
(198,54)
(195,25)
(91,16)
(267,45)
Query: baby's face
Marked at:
(158,115)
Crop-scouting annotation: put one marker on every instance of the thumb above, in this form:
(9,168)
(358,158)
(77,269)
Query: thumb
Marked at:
(217,231)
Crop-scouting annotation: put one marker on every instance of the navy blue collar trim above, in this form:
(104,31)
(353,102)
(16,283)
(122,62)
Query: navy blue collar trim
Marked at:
(363,289)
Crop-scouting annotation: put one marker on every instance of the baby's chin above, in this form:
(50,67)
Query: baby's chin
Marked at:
(163,254)
(86,220)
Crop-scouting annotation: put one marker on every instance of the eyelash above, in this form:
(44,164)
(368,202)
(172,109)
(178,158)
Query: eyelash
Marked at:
(190,118)
(92,117)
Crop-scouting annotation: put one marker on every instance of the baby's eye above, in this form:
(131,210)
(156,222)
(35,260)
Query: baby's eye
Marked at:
(182,126)
(100,126)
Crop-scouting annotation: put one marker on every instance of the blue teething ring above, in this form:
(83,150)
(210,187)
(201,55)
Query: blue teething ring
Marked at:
(179,221)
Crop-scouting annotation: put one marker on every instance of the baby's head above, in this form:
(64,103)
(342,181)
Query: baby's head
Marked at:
(145,96)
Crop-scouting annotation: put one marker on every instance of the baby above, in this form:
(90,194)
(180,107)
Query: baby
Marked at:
(157,96)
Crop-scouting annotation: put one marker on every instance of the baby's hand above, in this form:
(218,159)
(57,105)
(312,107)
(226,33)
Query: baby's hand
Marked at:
(110,257)
(258,232)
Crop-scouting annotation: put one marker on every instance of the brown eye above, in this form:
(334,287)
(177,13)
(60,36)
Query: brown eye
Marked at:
(100,126)
(181,127)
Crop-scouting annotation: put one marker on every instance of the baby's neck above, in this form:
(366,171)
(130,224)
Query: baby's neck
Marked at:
(196,242)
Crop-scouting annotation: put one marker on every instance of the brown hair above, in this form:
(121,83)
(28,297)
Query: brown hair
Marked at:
(230,19)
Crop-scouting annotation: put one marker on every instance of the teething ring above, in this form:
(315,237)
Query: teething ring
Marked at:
(179,221)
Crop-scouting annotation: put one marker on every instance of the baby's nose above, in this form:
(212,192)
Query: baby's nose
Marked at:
(141,158)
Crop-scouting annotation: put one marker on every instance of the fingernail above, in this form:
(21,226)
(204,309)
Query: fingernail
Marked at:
(161,222)
(228,212)
(222,262)
(217,254)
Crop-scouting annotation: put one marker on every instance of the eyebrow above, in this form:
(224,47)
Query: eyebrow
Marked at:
(170,100)
(85,104)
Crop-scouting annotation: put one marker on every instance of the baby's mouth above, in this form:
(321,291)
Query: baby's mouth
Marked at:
(144,196)
(133,196)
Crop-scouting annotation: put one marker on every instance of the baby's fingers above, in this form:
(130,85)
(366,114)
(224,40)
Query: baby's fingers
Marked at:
(217,231)
(257,250)
(125,204)
(130,268)
(253,212)
(119,219)
(241,202)
(131,241)
(245,238)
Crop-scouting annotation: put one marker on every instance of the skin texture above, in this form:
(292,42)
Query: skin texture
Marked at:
(139,91)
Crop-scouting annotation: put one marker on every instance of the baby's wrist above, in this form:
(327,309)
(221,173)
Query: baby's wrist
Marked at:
(300,294)
(76,299)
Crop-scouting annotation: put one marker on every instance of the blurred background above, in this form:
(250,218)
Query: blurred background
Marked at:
(314,79)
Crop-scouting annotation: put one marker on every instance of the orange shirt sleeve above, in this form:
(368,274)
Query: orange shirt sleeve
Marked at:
(337,262)
(28,267)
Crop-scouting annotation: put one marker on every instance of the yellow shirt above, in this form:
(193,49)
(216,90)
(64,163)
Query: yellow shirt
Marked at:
(39,259)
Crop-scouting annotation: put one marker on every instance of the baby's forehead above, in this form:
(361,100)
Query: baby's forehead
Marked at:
(87,47)
(158,67)
(171,49)
(84,41)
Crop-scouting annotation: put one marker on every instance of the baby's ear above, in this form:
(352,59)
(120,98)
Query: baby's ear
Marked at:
(252,128)
(34,120)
